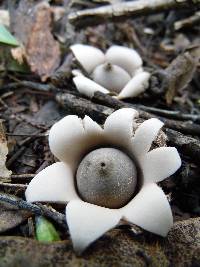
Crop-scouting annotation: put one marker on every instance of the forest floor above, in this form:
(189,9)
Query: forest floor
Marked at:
(36,90)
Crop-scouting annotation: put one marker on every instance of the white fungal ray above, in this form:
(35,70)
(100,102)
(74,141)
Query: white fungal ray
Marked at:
(140,70)
(144,135)
(128,59)
(91,127)
(137,85)
(159,164)
(111,77)
(77,72)
(88,56)
(110,72)
(69,140)
(88,222)
(53,184)
(119,126)
(88,87)
(150,210)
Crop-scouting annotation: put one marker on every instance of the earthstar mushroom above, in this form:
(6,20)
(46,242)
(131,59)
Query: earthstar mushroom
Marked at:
(119,71)
(107,175)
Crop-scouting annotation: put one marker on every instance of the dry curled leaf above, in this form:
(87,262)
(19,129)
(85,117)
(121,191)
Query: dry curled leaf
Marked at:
(4,172)
(180,72)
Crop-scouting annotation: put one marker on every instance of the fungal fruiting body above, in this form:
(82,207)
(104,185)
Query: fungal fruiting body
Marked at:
(107,175)
(117,71)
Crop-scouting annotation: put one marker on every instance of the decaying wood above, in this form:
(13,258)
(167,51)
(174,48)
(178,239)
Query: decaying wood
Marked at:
(120,11)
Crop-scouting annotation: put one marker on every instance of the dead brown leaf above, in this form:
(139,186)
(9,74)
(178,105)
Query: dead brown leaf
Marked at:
(31,24)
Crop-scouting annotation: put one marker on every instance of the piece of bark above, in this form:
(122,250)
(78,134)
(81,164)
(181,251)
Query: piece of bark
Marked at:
(120,11)
(4,172)
(31,24)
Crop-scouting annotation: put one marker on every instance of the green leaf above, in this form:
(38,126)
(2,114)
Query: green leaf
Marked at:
(45,231)
(13,65)
(6,37)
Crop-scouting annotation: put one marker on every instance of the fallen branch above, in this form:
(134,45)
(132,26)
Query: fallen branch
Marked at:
(185,127)
(120,11)
(80,106)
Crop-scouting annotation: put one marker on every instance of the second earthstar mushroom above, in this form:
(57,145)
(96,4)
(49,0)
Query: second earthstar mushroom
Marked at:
(118,71)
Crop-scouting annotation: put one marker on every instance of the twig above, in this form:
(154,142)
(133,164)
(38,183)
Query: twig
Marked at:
(184,127)
(15,156)
(13,187)
(24,175)
(17,186)
(114,103)
(28,135)
(119,11)
(28,84)
(38,209)
(188,22)
(171,113)
(82,106)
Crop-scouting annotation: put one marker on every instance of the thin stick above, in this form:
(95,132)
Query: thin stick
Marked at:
(28,84)
(28,135)
(170,113)
(188,22)
(38,209)
(14,186)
